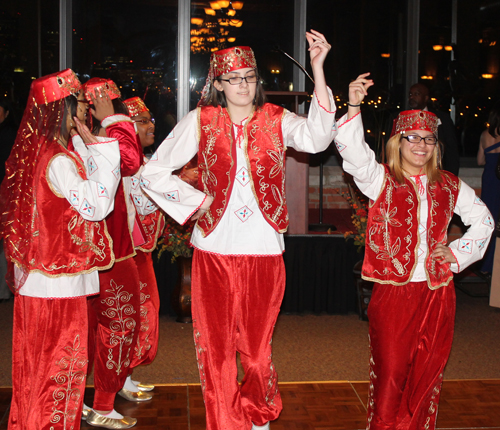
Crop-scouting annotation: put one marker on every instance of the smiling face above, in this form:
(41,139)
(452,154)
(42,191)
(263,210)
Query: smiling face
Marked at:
(145,128)
(414,156)
(241,95)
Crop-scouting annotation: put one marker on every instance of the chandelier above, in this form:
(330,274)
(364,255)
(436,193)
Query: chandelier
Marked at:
(214,30)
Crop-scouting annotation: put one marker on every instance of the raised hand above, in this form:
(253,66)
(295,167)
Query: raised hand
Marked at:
(102,105)
(84,132)
(358,89)
(318,48)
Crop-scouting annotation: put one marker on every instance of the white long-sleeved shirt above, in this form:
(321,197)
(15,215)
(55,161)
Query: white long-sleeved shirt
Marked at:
(137,201)
(360,162)
(92,198)
(242,230)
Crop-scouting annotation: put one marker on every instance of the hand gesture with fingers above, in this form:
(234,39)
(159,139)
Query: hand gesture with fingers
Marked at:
(318,48)
(102,105)
(443,254)
(358,89)
(84,132)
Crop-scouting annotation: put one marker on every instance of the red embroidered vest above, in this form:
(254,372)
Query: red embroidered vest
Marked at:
(152,226)
(265,154)
(63,242)
(392,235)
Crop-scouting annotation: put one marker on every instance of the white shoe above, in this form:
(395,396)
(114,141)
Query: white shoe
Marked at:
(264,427)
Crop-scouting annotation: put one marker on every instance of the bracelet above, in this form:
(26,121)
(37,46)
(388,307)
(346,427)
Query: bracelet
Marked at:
(353,105)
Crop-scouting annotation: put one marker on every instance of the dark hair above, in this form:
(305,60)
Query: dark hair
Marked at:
(10,120)
(494,121)
(5,104)
(218,98)
(70,105)
(119,108)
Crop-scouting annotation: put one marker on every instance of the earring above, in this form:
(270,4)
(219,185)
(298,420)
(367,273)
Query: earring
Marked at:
(71,124)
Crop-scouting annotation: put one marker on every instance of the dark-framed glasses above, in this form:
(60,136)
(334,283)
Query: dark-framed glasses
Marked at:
(145,121)
(416,139)
(236,80)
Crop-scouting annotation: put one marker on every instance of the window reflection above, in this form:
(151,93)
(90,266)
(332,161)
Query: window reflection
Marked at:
(262,26)
(29,47)
(135,45)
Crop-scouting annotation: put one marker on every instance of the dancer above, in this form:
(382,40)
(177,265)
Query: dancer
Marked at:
(238,275)
(149,224)
(53,202)
(114,314)
(412,309)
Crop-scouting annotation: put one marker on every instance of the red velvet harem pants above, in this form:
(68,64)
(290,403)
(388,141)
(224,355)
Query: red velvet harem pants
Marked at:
(49,363)
(147,339)
(411,332)
(113,326)
(235,304)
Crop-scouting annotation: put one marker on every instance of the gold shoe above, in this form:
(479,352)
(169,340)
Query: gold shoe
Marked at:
(140,396)
(145,387)
(85,412)
(98,420)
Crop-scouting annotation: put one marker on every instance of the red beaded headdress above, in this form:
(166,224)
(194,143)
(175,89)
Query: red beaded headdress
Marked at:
(42,126)
(225,61)
(135,106)
(56,86)
(416,120)
(106,86)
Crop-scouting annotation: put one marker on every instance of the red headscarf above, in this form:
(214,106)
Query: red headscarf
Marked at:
(41,127)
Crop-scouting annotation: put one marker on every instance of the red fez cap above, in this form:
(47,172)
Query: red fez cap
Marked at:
(230,59)
(415,120)
(135,106)
(56,86)
(105,86)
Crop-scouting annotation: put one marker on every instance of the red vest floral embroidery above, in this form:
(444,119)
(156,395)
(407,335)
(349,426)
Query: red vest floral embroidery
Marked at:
(265,155)
(392,236)
(64,243)
(152,226)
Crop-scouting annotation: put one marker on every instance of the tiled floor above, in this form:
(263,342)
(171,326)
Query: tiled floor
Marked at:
(307,406)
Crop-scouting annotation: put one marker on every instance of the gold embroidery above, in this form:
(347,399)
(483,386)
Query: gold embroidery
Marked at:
(371,388)
(433,405)
(385,219)
(212,133)
(71,378)
(140,350)
(277,167)
(199,359)
(272,386)
(119,309)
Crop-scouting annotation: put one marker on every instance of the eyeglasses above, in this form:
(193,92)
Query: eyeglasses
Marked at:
(236,80)
(415,139)
(145,121)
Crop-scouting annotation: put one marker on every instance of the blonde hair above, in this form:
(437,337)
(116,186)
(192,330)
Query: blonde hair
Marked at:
(394,161)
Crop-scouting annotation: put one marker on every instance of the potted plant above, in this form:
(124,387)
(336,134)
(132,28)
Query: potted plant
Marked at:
(176,240)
